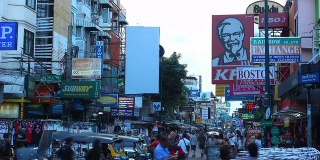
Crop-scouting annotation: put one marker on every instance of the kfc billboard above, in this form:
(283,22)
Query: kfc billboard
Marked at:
(254,75)
(230,45)
(275,20)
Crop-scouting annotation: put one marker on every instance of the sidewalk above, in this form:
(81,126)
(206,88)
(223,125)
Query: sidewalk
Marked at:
(198,154)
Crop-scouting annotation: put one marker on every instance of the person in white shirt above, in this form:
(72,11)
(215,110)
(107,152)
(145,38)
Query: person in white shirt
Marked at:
(193,142)
(233,143)
(184,143)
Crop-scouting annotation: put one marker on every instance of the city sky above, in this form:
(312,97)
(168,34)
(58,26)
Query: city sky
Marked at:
(185,27)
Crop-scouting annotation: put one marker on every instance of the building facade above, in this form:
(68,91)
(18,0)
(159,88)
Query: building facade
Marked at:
(50,34)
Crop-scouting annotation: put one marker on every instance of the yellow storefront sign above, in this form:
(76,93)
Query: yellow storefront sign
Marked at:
(276,98)
(220,89)
(198,120)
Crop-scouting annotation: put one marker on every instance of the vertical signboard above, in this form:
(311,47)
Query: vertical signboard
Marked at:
(100,52)
(8,35)
(142,54)
(230,45)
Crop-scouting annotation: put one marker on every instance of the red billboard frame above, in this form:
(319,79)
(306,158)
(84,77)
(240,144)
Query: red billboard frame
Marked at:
(230,45)
(276,20)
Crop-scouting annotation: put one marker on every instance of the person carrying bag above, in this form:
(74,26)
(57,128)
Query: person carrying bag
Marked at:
(184,143)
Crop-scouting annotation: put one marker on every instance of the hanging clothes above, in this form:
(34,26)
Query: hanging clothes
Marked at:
(37,132)
(29,130)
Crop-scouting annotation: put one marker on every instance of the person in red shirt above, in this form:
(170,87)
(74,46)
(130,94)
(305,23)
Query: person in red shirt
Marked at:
(155,143)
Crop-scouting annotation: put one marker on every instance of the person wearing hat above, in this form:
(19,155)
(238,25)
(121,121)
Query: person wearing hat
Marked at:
(66,152)
(161,152)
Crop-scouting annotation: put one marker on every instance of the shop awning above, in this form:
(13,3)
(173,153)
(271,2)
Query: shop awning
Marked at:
(289,113)
(17,100)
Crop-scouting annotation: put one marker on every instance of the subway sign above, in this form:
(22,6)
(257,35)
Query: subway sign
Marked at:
(80,89)
(8,35)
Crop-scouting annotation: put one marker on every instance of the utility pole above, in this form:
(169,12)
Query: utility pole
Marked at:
(266,34)
(267,85)
(68,70)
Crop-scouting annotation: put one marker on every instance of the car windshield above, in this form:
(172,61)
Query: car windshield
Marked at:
(128,144)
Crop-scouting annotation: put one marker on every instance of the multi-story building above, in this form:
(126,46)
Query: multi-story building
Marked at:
(304,23)
(12,67)
(45,28)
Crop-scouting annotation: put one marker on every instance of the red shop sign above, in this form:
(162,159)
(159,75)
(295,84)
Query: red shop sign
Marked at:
(276,20)
(42,94)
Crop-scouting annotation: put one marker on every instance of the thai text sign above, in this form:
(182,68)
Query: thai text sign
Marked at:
(8,35)
(309,78)
(238,90)
(86,68)
(275,20)
(281,49)
(107,100)
(126,102)
(254,75)
(80,89)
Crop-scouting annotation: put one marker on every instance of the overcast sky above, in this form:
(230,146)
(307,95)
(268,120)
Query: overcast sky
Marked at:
(185,27)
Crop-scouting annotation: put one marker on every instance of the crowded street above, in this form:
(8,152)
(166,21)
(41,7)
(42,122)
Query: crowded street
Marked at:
(159,80)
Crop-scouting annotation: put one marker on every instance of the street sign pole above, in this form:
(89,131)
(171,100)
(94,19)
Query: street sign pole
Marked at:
(309,117)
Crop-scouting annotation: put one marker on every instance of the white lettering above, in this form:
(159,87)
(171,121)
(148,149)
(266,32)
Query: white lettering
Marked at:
(4,31)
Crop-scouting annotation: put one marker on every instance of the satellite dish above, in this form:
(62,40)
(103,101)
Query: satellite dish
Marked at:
(268,113)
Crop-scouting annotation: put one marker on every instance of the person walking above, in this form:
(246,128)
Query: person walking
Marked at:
(161,152)
(184,143)
(193,142)
(66,152)
(202,142)
(96,153)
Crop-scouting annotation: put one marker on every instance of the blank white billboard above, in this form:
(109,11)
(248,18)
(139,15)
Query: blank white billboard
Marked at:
(142,60)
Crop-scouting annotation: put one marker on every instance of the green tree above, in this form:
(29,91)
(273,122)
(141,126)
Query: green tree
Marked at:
(173,92)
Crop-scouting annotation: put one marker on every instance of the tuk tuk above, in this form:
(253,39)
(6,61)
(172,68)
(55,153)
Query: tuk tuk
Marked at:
(134,147)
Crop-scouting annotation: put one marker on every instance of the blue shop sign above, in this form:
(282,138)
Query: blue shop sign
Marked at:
(235,98)
(57,109)
(8,35)
(309,78)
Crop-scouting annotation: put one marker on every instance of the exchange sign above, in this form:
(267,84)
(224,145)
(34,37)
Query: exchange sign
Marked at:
(281,49)
(254,75)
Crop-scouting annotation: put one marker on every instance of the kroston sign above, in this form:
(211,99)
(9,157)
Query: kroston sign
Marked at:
(254,75)
(281,49)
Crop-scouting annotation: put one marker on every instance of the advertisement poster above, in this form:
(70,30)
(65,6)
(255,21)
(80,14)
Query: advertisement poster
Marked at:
(230,45)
